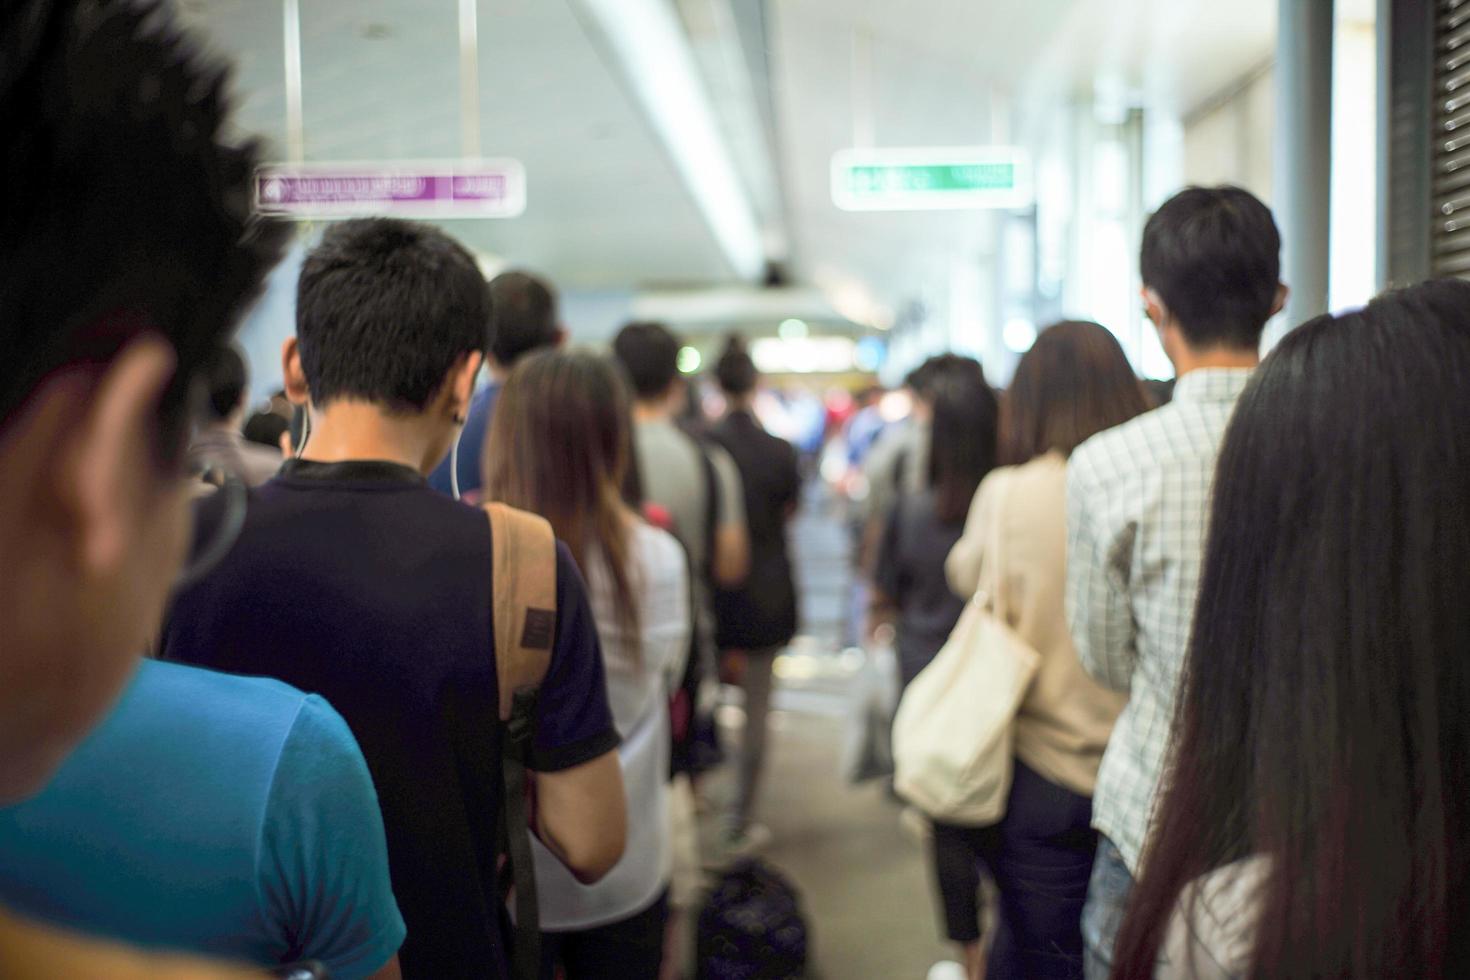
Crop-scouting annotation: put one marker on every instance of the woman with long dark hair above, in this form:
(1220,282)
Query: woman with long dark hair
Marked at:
(1073,383)
(560,446)
(1316,816)
(909,585)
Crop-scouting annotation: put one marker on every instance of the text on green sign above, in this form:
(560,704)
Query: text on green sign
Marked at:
(874,178)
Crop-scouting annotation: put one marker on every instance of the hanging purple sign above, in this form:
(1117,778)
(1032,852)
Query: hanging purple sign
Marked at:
(473,189)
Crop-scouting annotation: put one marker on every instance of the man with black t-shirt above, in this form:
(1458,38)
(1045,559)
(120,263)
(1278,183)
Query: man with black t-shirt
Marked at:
(757,619)
(353,579)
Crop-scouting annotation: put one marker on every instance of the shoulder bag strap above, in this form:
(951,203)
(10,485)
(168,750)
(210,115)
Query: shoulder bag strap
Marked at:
(523,602)
(994,585)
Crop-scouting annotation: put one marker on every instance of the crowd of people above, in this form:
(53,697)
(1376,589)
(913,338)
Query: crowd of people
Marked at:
(450,660)
(218,807)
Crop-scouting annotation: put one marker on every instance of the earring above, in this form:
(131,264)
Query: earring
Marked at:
(460,419)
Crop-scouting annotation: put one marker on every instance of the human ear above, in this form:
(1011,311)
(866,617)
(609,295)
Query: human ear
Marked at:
(462,384)
(1279,303)
(109,471)
(293,377)
(1153,307)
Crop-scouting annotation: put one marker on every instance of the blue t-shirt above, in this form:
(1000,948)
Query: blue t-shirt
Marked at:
(232,816)
(471,444)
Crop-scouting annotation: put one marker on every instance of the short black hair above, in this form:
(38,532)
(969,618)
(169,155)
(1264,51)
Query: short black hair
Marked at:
(940,368)
(129,211)
(735,370)
(649,353)
(525,316)
(227,379)
(1213,254)
(266,428)
(384,309)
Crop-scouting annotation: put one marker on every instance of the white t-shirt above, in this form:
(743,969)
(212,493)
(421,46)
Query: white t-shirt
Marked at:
(639,679)
(1213,932)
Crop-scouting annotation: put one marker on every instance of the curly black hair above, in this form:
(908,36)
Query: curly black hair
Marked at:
(128,210)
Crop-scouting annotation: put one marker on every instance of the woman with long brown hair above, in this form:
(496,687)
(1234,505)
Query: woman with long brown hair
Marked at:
(560,446)
(1073,383)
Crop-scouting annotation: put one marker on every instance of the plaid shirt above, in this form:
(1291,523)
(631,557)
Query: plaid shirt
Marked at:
(1138,499)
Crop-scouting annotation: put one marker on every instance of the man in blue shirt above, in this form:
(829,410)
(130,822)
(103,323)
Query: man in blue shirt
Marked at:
(232,816)
(112,305)
(523,319)
(352,578)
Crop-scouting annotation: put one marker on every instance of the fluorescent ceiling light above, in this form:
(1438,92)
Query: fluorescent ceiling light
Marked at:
(736,304)
(653,53)
(810,355)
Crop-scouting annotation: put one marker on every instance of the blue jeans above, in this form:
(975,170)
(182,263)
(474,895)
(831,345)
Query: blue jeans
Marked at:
(1107,899)
(1040,856)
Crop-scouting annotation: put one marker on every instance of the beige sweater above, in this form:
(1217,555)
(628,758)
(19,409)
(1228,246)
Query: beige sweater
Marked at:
(1065,721)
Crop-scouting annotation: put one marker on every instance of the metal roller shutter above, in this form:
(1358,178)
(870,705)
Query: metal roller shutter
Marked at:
(1450,159)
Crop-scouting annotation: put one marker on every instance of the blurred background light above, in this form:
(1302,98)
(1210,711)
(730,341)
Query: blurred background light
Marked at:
(1018,334)
(792,329)
(808,355)
(690,360)
(870,354)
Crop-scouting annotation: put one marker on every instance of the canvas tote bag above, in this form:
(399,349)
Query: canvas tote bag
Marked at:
(953,735)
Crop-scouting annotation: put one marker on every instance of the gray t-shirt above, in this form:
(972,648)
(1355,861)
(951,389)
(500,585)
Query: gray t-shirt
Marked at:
(674,478)
(900,456)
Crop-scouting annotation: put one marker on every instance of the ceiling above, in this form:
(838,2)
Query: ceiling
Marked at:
(1170,56)
(380,80)
(929,74)
(606,207)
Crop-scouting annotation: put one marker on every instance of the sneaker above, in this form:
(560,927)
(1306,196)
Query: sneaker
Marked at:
(746,841)
(947,970)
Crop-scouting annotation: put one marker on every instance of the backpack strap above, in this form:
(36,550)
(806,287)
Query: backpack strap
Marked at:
(713,499)
(523,585)
(524,577)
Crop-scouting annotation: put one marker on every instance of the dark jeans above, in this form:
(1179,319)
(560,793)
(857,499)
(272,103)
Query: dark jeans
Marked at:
(1040,856)
(632,949)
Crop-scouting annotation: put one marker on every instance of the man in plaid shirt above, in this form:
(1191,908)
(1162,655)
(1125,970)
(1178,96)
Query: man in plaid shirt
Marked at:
(1137,502)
